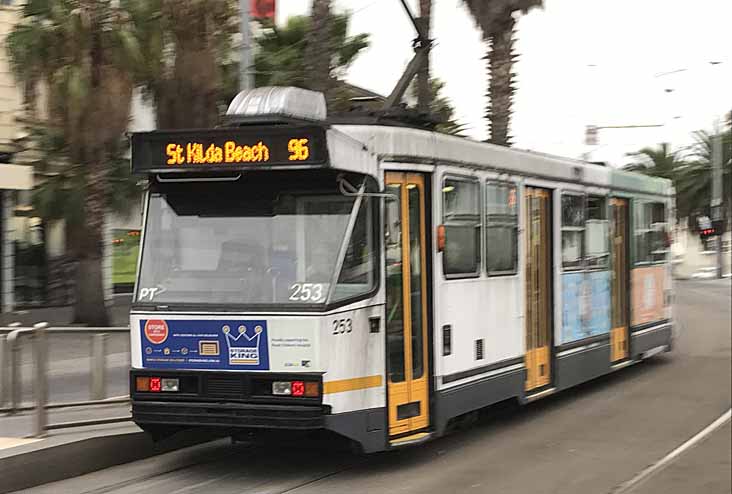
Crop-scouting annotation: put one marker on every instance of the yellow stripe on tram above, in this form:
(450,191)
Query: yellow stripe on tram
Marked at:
(356,383)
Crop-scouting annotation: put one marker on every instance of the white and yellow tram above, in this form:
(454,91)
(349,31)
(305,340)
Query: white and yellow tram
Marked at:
(378,281)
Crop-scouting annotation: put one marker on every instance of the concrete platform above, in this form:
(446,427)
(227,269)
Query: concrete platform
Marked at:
(21,425)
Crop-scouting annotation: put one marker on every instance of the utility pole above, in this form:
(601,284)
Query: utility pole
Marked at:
(717,194)
(246,81)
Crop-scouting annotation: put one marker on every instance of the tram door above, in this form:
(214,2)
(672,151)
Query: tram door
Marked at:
(619,333)
(538,287)
(406,303)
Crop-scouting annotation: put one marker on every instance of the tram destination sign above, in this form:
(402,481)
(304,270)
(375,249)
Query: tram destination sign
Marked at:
(228,149)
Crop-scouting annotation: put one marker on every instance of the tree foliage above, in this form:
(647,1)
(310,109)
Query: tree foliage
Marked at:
(183,48)
(690,171)
(320,48)
(280,58)
(440,107)
(82,53)
(281,51)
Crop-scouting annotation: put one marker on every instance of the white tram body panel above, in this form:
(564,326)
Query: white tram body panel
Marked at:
(342,354)
(421,342)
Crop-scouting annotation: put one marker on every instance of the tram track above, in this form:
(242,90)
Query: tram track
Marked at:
(220,467)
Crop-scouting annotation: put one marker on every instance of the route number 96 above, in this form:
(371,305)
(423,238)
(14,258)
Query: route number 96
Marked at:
(299,150)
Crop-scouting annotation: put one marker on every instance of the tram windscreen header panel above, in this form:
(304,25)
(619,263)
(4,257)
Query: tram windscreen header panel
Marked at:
(235,148)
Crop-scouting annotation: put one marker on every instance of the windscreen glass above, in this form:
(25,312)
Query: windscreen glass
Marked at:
(260,241)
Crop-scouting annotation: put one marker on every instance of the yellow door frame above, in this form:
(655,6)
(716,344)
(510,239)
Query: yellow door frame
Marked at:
(412,392)
(538,288)
(620,280)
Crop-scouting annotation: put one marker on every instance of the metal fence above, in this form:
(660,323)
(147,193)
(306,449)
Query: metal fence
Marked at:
(11,339)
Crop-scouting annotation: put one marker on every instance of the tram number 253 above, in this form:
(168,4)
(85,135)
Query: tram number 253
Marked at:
(342,326)
(299,150)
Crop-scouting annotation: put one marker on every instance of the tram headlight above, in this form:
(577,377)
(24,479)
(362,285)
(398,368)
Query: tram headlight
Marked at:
(170,385)
(282,388)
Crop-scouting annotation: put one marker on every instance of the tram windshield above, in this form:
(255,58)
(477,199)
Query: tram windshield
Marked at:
(257,241)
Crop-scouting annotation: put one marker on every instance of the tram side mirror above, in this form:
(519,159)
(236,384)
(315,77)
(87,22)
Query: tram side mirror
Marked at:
(440,238)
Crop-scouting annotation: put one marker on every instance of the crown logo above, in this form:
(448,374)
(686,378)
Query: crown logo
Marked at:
(243,349)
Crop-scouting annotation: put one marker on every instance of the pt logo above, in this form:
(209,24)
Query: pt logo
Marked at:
(243,348)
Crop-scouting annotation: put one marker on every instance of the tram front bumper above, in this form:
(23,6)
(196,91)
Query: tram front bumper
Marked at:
(229,415)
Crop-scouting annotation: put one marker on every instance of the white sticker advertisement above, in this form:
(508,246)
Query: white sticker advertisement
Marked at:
(293,345)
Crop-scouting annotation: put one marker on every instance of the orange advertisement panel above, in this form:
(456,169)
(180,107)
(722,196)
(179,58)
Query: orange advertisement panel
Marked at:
(647,289)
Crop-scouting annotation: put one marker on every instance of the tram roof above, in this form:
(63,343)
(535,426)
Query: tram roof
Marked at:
(408,145)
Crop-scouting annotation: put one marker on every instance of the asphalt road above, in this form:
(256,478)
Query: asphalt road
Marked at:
(593,439)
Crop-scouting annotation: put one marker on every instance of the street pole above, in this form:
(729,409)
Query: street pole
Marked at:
(717,193)
(246,80)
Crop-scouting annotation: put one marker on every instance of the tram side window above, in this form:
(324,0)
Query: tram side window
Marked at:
(650,232)
(573,228)
(461,218)
(501,227)
(596,233)
(660,237)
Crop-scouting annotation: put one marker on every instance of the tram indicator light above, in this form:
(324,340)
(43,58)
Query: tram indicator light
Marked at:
(441,238)
(233,148)
(312,390)
(142,384)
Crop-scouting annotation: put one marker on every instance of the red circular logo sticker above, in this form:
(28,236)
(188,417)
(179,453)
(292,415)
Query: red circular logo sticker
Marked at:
(156,331)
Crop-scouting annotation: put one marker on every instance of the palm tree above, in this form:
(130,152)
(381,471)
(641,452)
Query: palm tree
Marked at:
(79,50)
(319,48)
(184,47)
(423,76)
(694,182)
(440,107)
(495,18)
(280,58)
(660,162)
(691,174)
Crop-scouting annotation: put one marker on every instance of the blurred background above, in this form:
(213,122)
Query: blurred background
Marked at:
(644,86)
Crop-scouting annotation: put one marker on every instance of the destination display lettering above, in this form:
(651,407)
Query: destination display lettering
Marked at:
(234,148)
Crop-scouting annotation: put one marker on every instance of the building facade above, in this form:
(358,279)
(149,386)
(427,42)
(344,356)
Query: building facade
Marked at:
(16,180)
(35,270)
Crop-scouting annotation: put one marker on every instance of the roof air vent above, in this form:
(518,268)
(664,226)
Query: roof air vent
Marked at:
(277,104)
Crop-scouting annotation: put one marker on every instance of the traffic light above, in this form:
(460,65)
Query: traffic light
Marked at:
(707,232)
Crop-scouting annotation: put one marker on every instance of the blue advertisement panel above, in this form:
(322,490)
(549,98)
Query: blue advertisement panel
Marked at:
(572,327)
(204,344)
(600,299)
(586,300)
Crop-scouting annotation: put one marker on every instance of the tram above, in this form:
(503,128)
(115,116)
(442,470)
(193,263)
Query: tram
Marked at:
(379,281)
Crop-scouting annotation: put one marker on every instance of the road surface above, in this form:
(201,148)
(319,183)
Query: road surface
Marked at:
(594,439)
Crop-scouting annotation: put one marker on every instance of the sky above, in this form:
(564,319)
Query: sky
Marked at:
(581,62)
